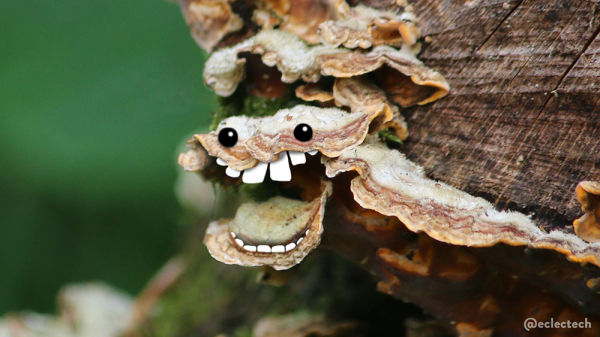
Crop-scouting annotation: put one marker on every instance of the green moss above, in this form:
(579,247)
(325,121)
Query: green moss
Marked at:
(213,298)
(244,331)
(266,190)
(388,136)
(244,104)
(261,192)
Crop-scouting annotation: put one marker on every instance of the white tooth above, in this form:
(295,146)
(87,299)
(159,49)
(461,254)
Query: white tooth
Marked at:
(256,174)
(240,243)
(221,162)
(300,240)
(297,158)
(308,230)
(250,248)
(232,173)
(233,235)
(290,246)
(278,249)
(313,152)
(263,249)
(280,169)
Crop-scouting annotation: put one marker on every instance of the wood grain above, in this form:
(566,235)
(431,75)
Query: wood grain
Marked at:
(521,124)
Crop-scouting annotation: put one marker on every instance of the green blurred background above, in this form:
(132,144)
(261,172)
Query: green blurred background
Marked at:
(95,99)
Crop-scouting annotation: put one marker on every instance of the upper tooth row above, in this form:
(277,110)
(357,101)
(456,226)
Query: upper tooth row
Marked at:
(280,169)
(267,248)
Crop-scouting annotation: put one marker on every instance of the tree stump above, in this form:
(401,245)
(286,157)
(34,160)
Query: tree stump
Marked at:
(520,126)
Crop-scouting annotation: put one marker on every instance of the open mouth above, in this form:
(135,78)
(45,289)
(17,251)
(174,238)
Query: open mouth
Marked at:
(279,170)
(286,244)
(278,231)
(279,225)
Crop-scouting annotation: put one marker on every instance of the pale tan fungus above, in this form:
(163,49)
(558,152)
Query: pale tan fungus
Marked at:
(221,246)
(264,19)
(347,64)
(301,17)
(263,138)
(359,94)
(294,59)
(271,222)
(210,20)
(195,159)
(390,184)
(313,92)
(397,124)
(365,27)
(588,226)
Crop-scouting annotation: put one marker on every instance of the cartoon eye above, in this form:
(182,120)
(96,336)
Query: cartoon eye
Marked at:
(228,137)
(303,132)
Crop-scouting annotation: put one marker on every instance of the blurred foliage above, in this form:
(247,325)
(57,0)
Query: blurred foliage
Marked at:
(95,98)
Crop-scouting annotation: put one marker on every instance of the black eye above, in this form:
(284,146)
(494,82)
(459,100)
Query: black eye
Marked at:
(303,132)
(228,137)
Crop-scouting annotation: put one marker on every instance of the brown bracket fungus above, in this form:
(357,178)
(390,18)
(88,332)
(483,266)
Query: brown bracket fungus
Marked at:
(299,17)
(365,27)
(264,139)
(343,75)
(279,232)
(224,70)
(588,226)
(210,20)
(390,184)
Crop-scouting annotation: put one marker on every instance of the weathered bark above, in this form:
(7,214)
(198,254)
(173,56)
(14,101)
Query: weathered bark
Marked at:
(520,126)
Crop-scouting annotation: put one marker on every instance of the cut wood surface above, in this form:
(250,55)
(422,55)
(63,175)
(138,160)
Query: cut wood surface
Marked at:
(520,126)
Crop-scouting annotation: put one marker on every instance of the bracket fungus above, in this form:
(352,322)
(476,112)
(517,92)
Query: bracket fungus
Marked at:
(588,226)
(224,70)
(365,27)
(210,20)
(279,232)
(427,242)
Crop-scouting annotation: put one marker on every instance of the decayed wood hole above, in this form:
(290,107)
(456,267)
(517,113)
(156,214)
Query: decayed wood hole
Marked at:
(521,124)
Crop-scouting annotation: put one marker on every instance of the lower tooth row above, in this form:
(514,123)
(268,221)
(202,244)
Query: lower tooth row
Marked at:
(269,249)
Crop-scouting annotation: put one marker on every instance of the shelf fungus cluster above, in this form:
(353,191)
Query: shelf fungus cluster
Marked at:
(311,94)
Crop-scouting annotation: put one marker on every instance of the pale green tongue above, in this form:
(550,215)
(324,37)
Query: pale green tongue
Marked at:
(274,221)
